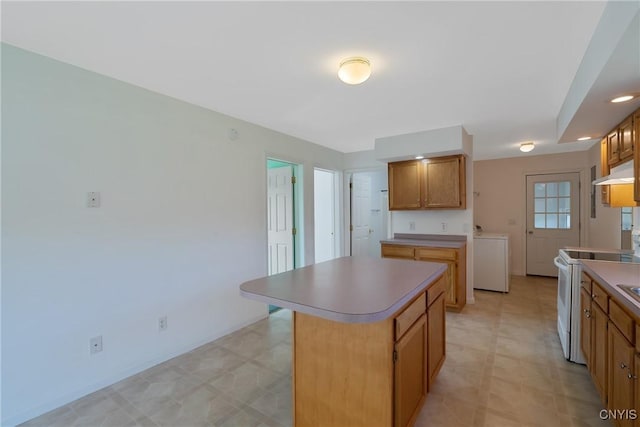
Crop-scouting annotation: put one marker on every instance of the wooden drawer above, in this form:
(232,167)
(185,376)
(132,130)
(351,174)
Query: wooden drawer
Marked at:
(623,321)
(405,319)
(585,282)
(437,253)
(397,251)
(436,289)
(600,297)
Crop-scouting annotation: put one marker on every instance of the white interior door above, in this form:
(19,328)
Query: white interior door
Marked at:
(324,214)
(360,214)
(553,219)
(280,219)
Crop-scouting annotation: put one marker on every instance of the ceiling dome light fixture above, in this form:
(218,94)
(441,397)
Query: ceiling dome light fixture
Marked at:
(584,138)
(354,70)
(525,147)
(624,98)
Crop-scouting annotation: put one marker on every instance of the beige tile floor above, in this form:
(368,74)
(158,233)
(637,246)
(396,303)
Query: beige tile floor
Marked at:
(504,367)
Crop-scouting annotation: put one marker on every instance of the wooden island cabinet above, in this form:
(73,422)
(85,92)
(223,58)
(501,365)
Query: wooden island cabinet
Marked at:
(368,338)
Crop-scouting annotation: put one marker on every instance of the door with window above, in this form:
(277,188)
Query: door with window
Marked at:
(553,219)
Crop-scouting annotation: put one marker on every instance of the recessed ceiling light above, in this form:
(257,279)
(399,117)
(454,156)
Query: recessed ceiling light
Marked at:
(355,70)
(624,98)
(584,138)
(419,157)
(525,147)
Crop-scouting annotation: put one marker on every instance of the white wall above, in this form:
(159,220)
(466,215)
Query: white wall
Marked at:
(181,225)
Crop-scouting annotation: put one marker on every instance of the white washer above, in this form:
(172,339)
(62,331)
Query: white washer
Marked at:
(491,261)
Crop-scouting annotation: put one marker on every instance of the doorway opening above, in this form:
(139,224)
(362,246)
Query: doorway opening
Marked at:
(283,213)
(325,214)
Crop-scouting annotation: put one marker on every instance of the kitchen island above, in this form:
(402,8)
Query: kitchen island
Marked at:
(368,338)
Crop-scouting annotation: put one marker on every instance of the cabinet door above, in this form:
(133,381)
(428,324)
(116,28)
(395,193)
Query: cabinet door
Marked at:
(599,345)
(585,325)
(450,277)
(436,335)
(404,185)
(613,152)
(621,381)
(625,141)
(636,391)
(410,386)
(443,183)
(636,156)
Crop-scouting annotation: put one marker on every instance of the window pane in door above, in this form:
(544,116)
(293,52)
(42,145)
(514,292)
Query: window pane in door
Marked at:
(552,205)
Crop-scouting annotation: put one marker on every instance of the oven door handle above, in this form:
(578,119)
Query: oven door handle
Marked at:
(557,261)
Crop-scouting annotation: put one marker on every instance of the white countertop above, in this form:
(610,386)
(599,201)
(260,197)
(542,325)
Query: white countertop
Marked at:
(348,289)
(611,274)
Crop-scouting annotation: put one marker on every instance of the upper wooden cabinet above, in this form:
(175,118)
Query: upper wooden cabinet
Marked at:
(625,139)
(613,150)
(620,146)
(404,185)
(620,142)
(437,183)
(636,154)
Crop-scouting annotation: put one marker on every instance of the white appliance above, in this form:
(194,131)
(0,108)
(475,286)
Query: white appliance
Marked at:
(491,261)
(569,276)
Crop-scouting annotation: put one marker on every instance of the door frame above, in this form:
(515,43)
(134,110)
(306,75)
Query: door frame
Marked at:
(582,204)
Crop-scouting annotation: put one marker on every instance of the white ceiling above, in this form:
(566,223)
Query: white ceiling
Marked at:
(500,69)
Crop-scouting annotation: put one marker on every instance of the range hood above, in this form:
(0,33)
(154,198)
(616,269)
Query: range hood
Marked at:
(622,174)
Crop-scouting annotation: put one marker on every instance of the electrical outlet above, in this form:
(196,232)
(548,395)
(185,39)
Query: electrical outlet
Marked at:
(412,226)
(162,323)
(444,226)
(95,345)
(93,199)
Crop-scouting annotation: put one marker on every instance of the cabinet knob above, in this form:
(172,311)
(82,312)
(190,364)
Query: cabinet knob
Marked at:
(622,365)
(631,376)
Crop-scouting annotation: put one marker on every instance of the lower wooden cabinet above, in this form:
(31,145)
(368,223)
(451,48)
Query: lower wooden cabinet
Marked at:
(599,349)
(621,376)
(410,386)
(637,389)
(585,324)
(455,276)
(436,338)
(609,340)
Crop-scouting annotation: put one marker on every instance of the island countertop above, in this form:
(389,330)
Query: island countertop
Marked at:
(347,289)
